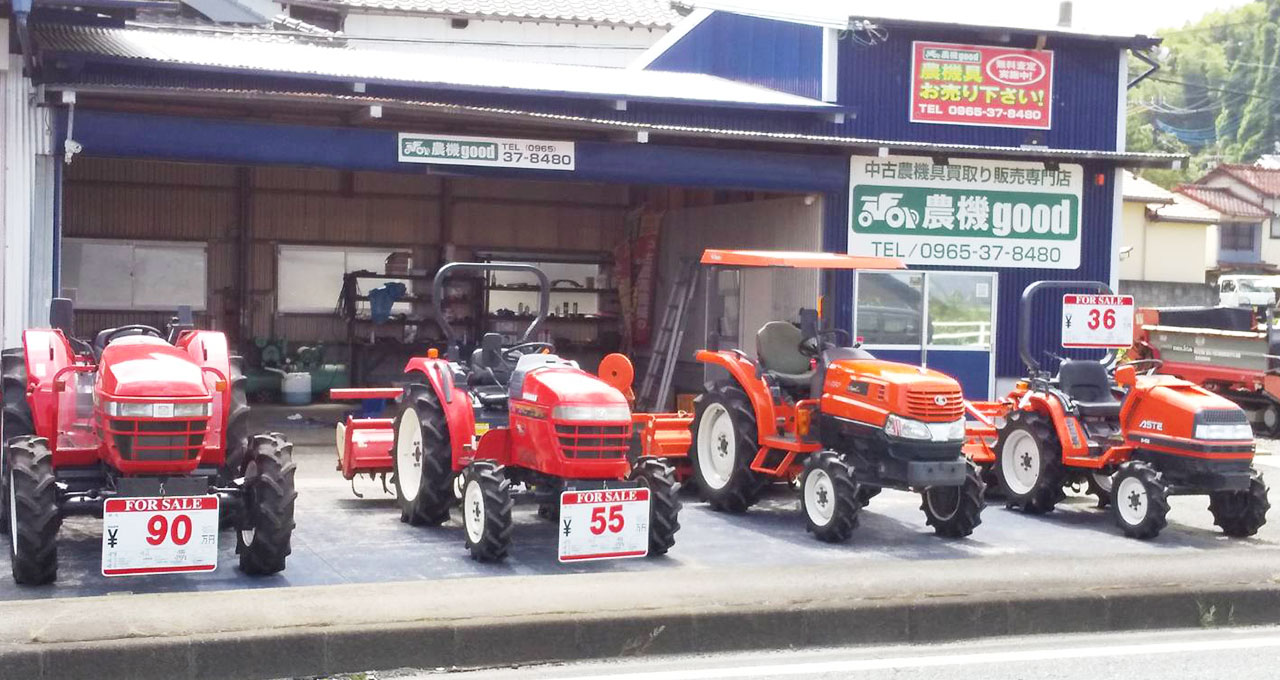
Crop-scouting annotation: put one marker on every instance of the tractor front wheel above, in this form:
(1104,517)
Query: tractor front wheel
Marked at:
(1241,513)
(724,444)
(1099,485)
(659,477)
(1029,463)
(423,457)
(1140,500)
(829,497)
(486,511)
(15,419)
(954,511)
(34,519)
(265,530)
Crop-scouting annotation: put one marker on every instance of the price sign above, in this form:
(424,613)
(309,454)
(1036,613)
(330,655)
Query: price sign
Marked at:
(1097,320)
(604,525)
(159,535)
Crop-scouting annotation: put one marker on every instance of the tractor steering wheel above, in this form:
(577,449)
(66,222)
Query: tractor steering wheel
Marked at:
(105,337)
(1155,365)
(813,346)
(514,352)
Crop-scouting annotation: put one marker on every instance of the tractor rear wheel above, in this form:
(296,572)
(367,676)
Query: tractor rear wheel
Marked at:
(1140,500)
(423,457)
(724,444)
(34,519)
(264,531)
(659,477)
(1099,485)
(829,497)
(15,418)
(237,432)
(1241,513)
(1029,463)
(954,511)
(486,511)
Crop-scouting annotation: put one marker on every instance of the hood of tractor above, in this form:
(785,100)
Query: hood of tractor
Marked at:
(1174,408)
(556,385)
(149,367)
(906,390)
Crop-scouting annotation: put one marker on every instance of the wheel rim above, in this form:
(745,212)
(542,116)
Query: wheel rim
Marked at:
(1103,480)
(819,497)
(247,536)
(409,454)
(13,516)
(457,487)
(473,511)
(717,446)
(1020,462)
(943,501)
(1270,417)
(1131,501)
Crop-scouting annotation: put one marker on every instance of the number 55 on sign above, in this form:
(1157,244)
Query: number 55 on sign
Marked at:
(1097,320)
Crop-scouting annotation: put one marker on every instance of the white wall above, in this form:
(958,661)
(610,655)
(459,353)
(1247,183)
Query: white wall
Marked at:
(512,40)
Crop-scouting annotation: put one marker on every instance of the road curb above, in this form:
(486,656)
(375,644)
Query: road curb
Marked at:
(482,642)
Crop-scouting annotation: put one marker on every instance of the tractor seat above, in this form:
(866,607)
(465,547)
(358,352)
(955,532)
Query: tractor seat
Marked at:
(1089,386)
(778,347)
(488,367)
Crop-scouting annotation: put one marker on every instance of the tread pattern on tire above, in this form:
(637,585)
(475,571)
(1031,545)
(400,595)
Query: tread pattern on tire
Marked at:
(969,513)
(1048,491)
(495,539)
(15,421)
(269,504)
(845,489)
(745,485)
(1241,513)
(34,550)
(1157,500)
(237,430)
(664,506)
(435,489)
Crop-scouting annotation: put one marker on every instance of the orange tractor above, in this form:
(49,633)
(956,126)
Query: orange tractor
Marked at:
(816,407)
(1137,438)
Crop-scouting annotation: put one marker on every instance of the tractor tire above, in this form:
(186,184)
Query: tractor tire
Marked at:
(15,418)
(1269,424)
(829,497)
(34,519)
(1029,463)
(1140,500)
(866,493)
(237,430)
(1099,485)
(264,532)
(992,481)
(486,511)
(423,457)
(1241,513)
(954,511)
(659,477)
(724,444)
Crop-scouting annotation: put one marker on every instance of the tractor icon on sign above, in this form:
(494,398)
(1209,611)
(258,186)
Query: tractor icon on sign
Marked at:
(885,207)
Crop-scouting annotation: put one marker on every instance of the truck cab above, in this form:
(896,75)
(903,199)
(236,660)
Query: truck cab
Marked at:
(1247,290)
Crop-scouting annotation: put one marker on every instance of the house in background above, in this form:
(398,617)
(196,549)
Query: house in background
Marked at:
(1162,238)
(1251,195)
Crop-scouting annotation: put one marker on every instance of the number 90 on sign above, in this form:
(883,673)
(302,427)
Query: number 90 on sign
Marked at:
(1103,321)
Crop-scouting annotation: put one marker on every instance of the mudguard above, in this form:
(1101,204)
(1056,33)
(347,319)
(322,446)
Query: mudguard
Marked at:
(458,411)
(743,371)
(47,352)
(209,350)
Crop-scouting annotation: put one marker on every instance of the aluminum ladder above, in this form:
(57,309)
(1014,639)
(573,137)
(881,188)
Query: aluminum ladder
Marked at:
(655,390)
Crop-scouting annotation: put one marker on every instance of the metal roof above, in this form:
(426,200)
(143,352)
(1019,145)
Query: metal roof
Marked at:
(1183,209)
(631,13)
(1265,181)
(1224,201)
(270,55)
(1139,190)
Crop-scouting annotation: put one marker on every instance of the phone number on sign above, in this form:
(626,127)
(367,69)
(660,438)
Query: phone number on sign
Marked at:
(537,155)
(978,254)
(992,112)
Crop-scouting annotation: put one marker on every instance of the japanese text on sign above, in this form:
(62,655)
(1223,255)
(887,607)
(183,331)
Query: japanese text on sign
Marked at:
(1097,320)
(159,535)
(975,85)
(495,152)
(966,213)
(604,525)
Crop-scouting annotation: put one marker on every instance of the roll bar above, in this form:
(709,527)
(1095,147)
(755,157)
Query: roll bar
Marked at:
(437,292)
(1024,313)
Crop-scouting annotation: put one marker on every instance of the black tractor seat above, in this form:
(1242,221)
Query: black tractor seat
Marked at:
(488,366)
(778,348)
(1089,386)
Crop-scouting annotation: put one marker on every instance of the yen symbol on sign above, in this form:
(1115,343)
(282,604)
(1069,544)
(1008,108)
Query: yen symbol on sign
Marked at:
(111,537)
(567,523)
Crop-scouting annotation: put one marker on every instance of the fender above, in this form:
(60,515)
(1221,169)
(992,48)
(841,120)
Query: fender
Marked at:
(46,352)
(743,371)
(456,401)
(1058,417)
(209,350)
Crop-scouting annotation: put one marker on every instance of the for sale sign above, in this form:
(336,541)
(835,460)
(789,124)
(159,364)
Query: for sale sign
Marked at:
(159,535)
(966,212)
(1097,320)
(604,525)
(977,85)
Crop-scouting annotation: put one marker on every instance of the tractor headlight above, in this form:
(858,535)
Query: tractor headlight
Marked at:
(1233,432)
(591,414)
(192,410)
(128,409)
(132,409)
(906,428)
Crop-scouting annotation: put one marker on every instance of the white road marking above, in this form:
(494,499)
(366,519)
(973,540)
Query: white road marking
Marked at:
(759,669)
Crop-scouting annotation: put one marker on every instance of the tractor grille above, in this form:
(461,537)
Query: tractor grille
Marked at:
(1222,416)
(158,440)
(594,442)
(923,404)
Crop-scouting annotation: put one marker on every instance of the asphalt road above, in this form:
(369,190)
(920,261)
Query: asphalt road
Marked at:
(344,539)
(1187,655)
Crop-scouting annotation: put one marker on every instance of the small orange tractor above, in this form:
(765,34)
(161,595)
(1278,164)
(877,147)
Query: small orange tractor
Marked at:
(1138,438)
(814,406)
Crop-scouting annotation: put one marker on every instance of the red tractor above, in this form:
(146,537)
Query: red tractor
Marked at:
(510,423)
(138,415)
(1135,439)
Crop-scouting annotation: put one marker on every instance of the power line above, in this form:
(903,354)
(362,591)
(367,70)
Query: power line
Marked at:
(1213,89)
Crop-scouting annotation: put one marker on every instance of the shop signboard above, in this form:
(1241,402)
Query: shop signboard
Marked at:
(965,212)
(489,152)
(977,85)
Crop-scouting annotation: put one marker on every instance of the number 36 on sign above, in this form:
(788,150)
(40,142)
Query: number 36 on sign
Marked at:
(1097,320)
(604,525)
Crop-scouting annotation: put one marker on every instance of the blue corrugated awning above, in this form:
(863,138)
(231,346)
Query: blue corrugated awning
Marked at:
(239,52)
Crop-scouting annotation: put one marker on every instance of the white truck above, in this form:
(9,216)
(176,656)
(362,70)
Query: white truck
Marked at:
(1247,290)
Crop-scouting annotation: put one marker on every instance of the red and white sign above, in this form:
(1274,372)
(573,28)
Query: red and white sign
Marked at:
(604,525)
(979,85)
(1097,320)
(159,535)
